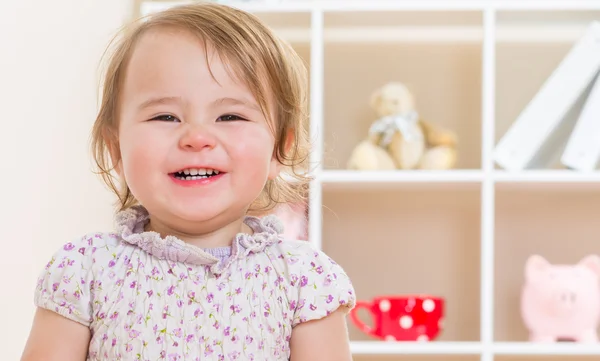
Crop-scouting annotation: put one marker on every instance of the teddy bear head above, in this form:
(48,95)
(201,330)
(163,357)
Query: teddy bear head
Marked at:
(392,98)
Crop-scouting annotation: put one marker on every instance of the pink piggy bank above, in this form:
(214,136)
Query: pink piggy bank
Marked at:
(561,302)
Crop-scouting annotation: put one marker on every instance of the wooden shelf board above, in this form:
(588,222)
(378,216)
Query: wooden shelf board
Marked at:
(472,348)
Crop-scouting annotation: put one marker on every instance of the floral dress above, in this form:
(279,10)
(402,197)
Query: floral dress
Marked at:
(145,297)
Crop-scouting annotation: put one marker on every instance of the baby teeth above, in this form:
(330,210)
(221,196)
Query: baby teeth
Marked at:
(196,173)
(199,171)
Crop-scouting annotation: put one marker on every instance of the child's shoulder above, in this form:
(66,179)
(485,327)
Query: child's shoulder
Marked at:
(86,247)
(319,285)
(301,253)
(67,281)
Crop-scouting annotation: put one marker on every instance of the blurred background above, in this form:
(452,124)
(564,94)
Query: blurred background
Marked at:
(462,234)
(48,76)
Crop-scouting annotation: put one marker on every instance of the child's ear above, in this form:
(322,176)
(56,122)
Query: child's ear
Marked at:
(275,164)
(112,144)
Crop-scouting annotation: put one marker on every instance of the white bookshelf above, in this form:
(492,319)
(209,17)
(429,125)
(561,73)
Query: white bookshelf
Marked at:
(484,220)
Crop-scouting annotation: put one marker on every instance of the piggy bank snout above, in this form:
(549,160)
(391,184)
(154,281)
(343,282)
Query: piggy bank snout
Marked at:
(566,298)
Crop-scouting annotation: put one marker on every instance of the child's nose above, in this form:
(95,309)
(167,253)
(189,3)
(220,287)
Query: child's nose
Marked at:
(197,137)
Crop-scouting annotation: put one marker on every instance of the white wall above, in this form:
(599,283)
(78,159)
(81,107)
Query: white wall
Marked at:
(49,54)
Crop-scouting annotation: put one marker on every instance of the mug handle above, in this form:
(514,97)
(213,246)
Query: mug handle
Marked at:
(354,317)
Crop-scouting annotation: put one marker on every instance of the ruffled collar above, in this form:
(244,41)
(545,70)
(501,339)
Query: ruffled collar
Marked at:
(130,225)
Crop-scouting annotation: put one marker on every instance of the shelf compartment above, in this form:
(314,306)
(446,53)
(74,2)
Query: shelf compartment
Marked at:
(444,77)
(522,68)
(400,251)
(559,225)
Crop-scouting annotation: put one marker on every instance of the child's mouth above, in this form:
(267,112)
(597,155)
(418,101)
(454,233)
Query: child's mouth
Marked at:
(195,174)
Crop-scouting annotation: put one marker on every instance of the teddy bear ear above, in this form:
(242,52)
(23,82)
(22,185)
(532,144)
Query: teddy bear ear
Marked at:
(534,266)
(375,99)
(591,262)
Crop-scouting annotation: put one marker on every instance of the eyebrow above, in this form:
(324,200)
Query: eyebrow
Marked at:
(236,101)
(176,99)
(160,101)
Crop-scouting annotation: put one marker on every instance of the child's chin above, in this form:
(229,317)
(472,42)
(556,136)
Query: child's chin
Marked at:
(197,213)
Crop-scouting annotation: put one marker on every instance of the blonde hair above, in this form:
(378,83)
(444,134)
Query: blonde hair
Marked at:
(269,67)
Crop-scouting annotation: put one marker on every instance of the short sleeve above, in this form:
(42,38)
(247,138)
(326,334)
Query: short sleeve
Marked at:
(64,285)
(322,286)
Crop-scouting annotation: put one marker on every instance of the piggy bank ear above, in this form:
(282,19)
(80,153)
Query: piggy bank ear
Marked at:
(535,266)
(591,262)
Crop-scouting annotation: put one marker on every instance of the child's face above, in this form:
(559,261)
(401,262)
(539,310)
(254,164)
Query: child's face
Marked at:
(175,117)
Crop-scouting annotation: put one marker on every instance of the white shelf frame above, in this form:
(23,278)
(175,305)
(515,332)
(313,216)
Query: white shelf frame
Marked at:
(487,177)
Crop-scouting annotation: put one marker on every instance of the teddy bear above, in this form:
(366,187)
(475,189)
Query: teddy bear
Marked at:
(400,138)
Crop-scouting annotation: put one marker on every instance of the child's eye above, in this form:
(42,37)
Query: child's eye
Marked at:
(229,117)
(166,118)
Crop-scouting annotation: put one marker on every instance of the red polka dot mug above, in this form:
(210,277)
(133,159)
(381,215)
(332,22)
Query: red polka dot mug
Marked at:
(402,318)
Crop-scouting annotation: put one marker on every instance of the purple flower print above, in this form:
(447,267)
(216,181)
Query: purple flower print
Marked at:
(293,260)
(178,332)
(69,246)
(170,291)
(158,309)
(208,350)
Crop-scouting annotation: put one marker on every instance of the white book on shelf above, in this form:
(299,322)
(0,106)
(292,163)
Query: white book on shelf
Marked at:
(541,130)
(582,151)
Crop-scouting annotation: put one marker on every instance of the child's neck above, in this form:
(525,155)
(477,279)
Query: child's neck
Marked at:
(220,237)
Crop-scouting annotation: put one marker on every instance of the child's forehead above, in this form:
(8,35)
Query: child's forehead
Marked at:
(180,58)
